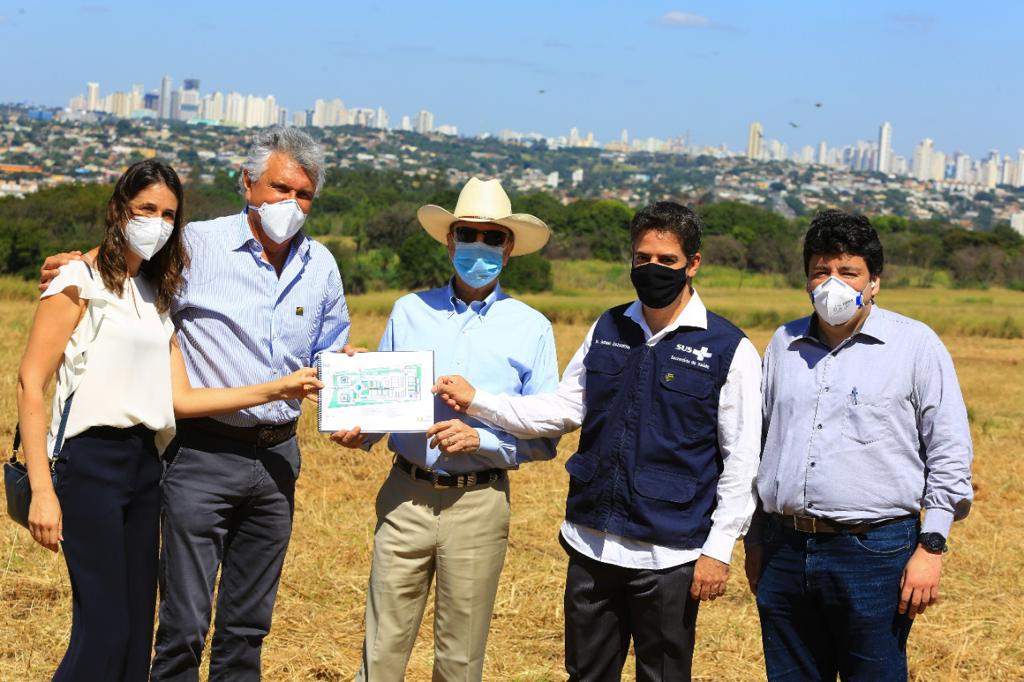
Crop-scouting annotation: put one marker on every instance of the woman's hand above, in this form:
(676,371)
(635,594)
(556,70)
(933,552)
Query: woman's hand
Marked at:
(298,385)
(45,521)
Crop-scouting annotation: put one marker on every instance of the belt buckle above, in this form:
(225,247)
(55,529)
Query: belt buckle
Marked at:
(805,524)
(433,480)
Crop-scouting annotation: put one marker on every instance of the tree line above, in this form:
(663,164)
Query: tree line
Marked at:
(368,221)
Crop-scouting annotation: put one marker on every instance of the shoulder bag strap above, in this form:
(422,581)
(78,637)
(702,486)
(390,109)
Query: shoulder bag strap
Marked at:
(59,442)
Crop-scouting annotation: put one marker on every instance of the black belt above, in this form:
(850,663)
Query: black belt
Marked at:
(814,524)
(485,477)
(260,436)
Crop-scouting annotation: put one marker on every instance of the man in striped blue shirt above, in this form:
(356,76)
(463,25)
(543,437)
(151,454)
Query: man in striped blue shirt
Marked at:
(261,299)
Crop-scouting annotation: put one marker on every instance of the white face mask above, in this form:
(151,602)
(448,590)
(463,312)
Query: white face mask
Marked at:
(836,302)
(147,235)
(281,221)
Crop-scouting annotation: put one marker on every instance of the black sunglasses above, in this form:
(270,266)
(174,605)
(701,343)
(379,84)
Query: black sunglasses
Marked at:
(468,235)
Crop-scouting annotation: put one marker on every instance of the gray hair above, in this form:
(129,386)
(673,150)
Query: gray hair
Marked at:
(291,141)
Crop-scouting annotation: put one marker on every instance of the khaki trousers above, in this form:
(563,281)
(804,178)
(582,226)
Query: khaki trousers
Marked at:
(458,536)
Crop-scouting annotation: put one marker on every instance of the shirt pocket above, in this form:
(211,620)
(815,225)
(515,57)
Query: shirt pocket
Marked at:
(604,378)
(681,403)
(867,421)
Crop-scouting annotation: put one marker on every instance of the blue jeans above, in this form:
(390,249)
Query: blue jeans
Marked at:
(828,603)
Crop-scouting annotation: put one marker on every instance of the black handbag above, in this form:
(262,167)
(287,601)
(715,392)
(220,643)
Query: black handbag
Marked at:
(16,484)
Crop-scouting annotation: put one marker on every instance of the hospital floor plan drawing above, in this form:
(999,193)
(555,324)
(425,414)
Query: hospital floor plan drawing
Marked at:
(375,386)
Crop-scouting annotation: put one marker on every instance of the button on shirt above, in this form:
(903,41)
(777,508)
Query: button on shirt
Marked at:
(499,344)
(239,323)
(739,435)
(873,429)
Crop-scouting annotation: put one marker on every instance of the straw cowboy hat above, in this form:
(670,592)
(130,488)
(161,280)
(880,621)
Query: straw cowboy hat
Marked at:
(486,202)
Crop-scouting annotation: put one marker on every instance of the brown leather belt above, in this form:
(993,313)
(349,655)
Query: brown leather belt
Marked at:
(813,524)
(260,436)
(437,480)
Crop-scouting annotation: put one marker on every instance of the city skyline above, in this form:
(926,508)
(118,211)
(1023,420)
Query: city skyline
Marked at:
(188,103)
(697,70)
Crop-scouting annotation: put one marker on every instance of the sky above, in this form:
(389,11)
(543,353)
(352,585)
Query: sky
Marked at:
(951,71)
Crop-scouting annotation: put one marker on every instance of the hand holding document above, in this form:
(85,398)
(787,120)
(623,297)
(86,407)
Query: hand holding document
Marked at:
(455,391)
(377,392)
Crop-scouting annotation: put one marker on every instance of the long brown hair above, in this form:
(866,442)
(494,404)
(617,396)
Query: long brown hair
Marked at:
(165,269)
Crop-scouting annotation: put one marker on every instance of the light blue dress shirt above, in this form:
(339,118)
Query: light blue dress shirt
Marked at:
(239,323)
(873,429)
(500,345)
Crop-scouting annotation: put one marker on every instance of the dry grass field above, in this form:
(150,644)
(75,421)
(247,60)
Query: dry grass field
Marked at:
(975,633)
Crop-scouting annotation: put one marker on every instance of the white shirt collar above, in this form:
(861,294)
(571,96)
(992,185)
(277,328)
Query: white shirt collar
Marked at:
(694,314)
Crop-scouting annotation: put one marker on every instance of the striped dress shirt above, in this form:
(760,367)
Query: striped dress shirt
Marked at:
(239,323)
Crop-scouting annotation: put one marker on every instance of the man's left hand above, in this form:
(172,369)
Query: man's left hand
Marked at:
(454,437)
(709,576)
(920,588)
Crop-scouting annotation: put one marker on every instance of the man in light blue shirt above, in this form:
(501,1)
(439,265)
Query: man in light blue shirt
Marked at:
(865,428)
(443,512)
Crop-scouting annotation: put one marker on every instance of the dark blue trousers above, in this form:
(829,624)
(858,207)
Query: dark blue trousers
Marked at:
(108,487)
(828,604)
(227,505)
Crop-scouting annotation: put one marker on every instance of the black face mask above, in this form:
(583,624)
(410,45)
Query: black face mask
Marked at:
(657,286)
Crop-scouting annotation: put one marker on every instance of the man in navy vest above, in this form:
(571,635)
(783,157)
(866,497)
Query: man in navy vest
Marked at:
(668,395)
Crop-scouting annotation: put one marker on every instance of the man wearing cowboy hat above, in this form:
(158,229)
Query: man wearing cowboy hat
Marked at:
(443,511)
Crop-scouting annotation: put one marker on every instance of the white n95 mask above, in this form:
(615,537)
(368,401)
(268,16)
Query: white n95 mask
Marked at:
(281,221)
(836,302)
(147,235)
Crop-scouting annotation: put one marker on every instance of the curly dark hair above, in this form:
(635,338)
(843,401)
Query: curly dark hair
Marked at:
(833,232)
(165,269)
(668,216)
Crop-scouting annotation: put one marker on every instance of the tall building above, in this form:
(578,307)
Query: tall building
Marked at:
(884,159)
(961,167)
(212,107)
(165,97)
(299,119)
(938,165)
(138,97)
(754,139)
(424,122)
(823,153)
(990,169)
(326,114)
(624,138)
(921,166)
(234,108)
(92,96)
(189,108)
(121,104)
(1018,180)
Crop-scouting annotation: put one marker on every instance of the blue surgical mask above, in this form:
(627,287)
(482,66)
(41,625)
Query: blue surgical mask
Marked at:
(478,264)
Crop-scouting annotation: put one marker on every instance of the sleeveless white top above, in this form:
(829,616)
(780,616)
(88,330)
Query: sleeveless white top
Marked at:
(117,362)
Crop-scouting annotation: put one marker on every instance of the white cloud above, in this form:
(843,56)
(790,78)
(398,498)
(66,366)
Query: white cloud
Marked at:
(685,19)
(680,19)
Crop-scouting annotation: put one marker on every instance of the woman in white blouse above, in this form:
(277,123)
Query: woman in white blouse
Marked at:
(105,330)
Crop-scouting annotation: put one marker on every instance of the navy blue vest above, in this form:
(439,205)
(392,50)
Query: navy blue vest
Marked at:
(648,461)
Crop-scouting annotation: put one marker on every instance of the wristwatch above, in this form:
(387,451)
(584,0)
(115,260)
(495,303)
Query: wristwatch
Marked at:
(933,542)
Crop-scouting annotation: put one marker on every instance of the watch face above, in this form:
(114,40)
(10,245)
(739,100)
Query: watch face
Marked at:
(933,541)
